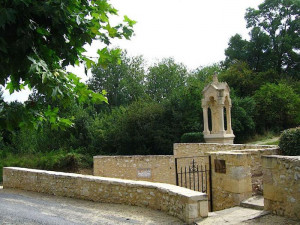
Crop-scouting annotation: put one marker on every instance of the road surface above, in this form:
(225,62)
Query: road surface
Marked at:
(21,207)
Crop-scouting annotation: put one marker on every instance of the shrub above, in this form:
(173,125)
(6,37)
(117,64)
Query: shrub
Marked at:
(195,137)
(289,142)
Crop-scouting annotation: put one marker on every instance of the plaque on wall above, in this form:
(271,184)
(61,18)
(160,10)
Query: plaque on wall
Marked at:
(143,173)
(220,166)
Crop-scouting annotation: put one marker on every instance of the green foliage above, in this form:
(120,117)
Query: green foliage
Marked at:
(122,81)
(289,142)
(142,128)
(195,137)
(39,39)
(204,74)
(165,77)
(245,81)
(274,38)
(277,107)
(59,160)
(242,114)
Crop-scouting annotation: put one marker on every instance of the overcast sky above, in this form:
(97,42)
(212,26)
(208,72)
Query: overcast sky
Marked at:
(193,32)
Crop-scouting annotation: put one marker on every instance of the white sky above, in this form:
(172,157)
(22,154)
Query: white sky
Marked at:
(193,32)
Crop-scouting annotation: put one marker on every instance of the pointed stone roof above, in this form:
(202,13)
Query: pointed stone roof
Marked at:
(216,84)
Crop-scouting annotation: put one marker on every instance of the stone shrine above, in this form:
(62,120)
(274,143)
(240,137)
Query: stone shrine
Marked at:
(216,104)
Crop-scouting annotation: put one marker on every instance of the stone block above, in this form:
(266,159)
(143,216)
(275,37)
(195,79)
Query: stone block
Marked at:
(203,206)
(274,193)
(239,172)
(238,186)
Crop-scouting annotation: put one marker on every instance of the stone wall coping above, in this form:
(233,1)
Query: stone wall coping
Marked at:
(255,150)
(283,157)
(263,146)
(226,153)
(132,156)
(169,188)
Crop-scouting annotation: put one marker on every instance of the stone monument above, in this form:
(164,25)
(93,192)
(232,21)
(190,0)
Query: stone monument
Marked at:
(216,104)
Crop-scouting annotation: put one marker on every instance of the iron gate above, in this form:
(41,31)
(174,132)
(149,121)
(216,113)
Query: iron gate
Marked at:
(195,173)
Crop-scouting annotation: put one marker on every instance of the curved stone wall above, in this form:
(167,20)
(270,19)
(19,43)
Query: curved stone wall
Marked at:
(183,203)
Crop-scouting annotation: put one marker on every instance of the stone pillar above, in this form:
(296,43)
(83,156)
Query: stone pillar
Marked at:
(221,118)
(228,117)
(232,185)
(205,120)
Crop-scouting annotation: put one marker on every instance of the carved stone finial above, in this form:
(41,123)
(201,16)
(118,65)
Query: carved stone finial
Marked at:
(215,78)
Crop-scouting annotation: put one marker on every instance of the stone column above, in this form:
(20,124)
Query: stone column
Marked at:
(205,119)
(221,119)
(228,117)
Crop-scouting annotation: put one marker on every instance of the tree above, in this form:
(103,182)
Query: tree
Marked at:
(237,50)
(164,77)
(246,81)
(38,39)
(277,107)
(274,41)
(122,81)
(204,74)
(242,113)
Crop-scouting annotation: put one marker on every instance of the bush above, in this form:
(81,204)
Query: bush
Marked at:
(195,137)
(289,142)
(143,128)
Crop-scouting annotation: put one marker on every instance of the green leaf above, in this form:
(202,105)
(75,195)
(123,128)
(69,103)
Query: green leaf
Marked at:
(129,21)
(43,31)
(10,87)
(89,63)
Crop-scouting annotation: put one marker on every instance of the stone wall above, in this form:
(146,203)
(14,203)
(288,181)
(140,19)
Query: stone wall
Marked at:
(256,166)
(243,158)
(281,179)
(154,168)
(233,184)
(198,149)
(183,203)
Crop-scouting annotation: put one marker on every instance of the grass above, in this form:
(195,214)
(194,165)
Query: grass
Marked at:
(269,138)
(55,160)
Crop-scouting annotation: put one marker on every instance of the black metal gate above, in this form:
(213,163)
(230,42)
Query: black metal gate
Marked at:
(195,173)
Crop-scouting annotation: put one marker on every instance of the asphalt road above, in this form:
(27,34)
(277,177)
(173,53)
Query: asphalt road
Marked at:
(21,207)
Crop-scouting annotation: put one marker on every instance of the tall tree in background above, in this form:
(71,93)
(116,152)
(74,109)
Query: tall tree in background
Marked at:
(274,38)
(38,39)
(122,81)
(165,77)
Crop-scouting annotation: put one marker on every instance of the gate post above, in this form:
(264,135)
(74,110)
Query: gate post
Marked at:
(210,183)
(176,172)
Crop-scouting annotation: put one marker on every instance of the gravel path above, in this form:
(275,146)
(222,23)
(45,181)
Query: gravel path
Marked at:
(21,207)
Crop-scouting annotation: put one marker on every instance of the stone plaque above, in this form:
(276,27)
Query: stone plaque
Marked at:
(143,173)
(220,166)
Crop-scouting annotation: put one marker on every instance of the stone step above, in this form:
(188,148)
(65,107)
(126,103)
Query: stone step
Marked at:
(255,202)
(232,216)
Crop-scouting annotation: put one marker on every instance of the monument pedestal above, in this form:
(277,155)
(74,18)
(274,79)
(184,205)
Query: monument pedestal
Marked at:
(219,138)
